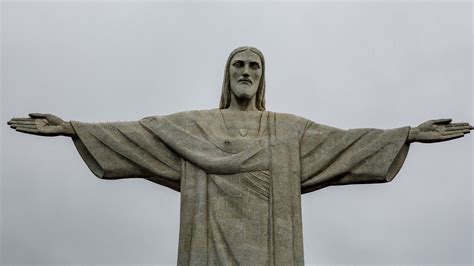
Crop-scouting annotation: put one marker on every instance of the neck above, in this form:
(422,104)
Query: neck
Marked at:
(238,104)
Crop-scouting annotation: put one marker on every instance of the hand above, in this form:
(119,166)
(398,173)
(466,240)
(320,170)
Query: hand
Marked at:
(42,125)
(438,130)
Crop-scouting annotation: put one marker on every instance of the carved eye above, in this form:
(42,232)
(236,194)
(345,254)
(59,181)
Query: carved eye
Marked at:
(255,65)
(238,64)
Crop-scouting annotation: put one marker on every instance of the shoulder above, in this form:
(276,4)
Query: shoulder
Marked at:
(180,118)
(304,125)
(288,125)
(291,119)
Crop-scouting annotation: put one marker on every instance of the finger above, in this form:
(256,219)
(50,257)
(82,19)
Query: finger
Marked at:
(27,130)
(442,121)
(457,124)
(20,119)
(464,131)
(19,125)
(24,126)
(458,128)
(26,122)
(37,115)
(15,125)
(453,136)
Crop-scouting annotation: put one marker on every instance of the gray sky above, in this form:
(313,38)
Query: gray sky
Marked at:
(348,65)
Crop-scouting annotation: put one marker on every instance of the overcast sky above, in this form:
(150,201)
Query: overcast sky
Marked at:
(348,65)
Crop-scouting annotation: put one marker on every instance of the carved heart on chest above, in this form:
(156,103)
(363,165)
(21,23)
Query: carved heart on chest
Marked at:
(243,132)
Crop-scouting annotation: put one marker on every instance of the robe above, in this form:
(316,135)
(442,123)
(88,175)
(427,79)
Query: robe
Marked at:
(240,196)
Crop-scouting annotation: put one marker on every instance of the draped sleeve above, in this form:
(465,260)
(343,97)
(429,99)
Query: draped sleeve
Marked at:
(126,150)
(331,156)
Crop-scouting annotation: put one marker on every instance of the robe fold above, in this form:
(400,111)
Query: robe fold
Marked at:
(240,196)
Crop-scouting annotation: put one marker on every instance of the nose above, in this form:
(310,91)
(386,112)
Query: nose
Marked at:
(245,73)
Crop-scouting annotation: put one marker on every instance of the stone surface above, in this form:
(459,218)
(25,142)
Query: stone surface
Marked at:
(240,169)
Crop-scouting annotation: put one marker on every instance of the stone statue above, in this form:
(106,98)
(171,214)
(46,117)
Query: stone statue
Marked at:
(240,169)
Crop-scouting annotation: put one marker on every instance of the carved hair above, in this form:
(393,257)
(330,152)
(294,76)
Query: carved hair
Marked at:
(226,92)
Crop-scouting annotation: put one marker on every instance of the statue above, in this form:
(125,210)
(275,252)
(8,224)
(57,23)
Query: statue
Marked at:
(240,169)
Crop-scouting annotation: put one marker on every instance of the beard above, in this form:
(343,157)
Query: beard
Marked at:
(244,91)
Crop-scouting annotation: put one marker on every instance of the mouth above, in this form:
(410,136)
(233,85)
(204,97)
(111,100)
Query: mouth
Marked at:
(244,80)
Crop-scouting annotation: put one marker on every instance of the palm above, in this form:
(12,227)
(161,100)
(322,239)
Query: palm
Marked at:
(440,130)
(38,124)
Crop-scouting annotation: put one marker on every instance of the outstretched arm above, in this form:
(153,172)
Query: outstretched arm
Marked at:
(43,125)
(332,156)
(437,131)
(111,150)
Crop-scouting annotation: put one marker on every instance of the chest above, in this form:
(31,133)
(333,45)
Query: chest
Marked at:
(243,125)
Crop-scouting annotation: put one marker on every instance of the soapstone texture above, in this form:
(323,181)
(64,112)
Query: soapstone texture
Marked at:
(240,169)
(240,196)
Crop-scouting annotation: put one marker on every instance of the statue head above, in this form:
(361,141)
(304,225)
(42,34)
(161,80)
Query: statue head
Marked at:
(244,77)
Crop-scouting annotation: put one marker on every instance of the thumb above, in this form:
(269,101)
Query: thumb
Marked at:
(37,115)
(444,121)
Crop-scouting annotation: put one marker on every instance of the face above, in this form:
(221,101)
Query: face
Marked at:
(245,71)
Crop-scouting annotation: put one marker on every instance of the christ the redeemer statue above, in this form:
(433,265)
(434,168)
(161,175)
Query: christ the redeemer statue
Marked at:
(240,169)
